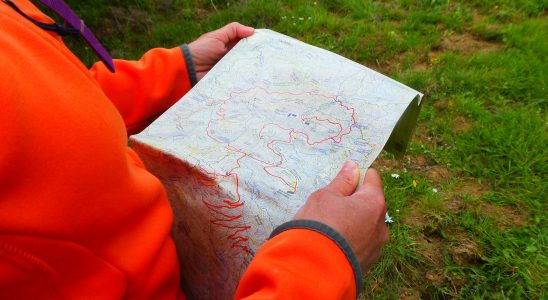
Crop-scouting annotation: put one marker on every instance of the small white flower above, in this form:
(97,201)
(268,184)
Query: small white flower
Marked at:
(310,18)
(315,3)
(294,24)
(301,19)
(388,219)
(434,190)
(396,176)
(284,17)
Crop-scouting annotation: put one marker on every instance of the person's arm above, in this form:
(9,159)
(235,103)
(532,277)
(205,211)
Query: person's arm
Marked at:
(301,264)
(320,254)
(142,90)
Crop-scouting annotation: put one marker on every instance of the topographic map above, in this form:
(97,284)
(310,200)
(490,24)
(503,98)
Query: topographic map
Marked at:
(241,152)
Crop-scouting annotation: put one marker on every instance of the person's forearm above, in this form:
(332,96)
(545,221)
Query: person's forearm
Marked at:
(142,90)
(300,264)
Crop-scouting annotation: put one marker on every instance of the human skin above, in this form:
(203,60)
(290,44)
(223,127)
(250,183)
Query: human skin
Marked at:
(358,214)
(209,48)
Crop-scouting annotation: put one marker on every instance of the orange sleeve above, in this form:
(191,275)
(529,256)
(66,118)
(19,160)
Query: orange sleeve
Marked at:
(300,264)
(142,90)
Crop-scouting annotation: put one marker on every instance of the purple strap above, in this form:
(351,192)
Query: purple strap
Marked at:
(64,11)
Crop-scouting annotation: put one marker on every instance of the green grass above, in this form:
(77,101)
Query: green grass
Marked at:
(481,139)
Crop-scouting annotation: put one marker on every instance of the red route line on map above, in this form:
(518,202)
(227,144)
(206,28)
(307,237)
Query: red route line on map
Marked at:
(221,216)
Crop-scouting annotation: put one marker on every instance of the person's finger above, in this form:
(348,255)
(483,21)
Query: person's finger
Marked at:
(243,31)
(234,31)
(346,181)
(372,182)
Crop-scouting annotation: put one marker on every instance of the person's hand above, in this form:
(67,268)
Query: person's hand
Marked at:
(356,214)
(209,48)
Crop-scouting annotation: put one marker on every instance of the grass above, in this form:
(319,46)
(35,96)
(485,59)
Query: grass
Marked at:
(481,139)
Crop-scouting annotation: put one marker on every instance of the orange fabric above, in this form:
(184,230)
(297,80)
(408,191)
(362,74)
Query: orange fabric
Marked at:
(298,264)
(80,217)
(143,90)
(76,206)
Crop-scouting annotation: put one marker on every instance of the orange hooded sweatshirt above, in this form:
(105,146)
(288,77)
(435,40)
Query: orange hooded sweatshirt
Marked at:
(80,216)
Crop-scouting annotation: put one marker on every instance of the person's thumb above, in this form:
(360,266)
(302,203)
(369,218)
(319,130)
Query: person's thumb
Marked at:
(372,182)
(234,31)
(346,181)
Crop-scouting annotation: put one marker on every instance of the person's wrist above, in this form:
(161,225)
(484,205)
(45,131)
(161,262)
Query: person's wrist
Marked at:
(190,67)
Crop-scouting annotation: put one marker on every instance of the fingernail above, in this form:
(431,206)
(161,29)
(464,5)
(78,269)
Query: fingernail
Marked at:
(349,166)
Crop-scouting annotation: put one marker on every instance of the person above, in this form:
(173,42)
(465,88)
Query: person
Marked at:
(80,217)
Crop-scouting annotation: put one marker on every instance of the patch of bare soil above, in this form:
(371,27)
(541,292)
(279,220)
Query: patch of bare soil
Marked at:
(465,251)
(438,173)
(466,43)
(474,188)
(394,63)
(462,250)
(506,216)
(461,124)
(420,163)
(432,248)
(453,198)
(463,43)
(479,19)
(415,218)
(444,104)
(389,65)
(433,171)
(454,203)
(383,163)
(423,135)
(421,66)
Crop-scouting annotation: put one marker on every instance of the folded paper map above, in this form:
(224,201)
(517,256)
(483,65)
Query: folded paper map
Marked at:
(241,152)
